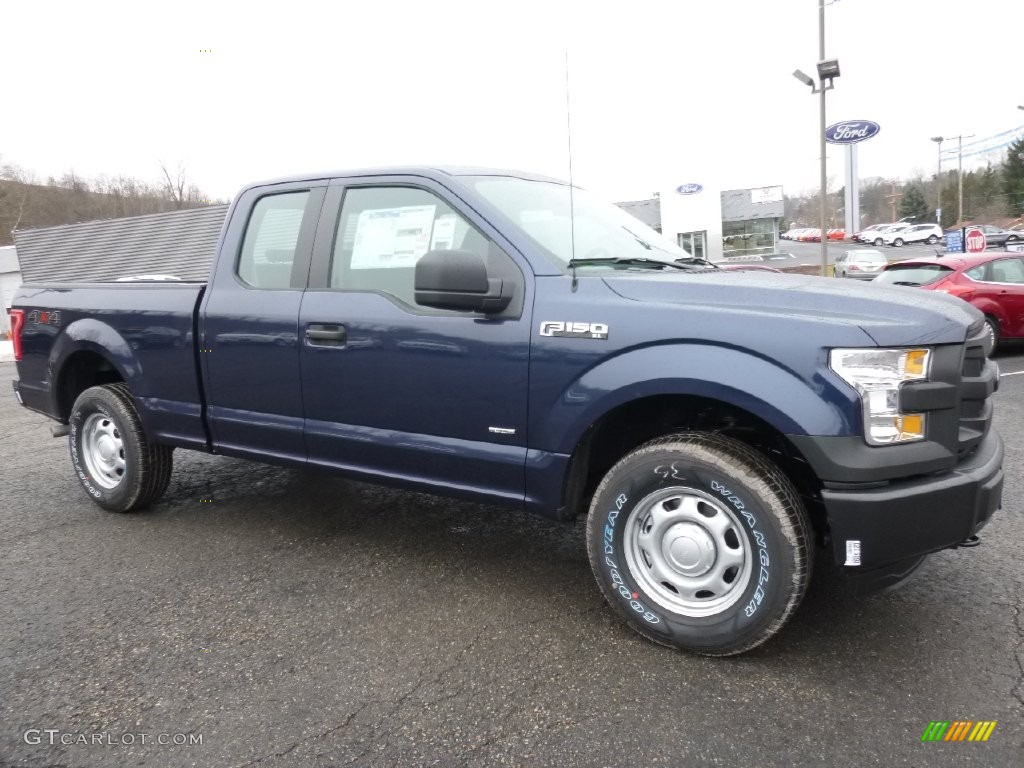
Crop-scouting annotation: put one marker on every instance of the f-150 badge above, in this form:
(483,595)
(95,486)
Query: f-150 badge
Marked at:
(573,330)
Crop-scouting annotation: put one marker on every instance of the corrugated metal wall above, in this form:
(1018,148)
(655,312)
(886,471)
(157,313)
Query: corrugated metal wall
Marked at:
(181,243)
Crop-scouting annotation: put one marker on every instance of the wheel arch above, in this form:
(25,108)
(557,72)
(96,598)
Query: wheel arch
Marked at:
(635,422)
(88,353)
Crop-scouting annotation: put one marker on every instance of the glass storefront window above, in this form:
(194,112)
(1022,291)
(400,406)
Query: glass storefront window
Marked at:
(741,238)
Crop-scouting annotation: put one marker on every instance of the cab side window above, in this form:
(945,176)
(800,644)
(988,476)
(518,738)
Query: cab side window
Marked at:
(383,231)
(271,237)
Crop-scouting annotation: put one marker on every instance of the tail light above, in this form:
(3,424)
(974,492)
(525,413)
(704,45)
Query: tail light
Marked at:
(17,323)
(853,268)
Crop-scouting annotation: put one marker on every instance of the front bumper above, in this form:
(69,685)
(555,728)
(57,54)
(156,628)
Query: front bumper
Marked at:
(904,520)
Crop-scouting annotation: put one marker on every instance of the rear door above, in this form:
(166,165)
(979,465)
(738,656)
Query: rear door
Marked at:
(249,339)
(396,390)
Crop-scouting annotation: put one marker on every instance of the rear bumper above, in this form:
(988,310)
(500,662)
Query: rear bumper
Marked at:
(890,527)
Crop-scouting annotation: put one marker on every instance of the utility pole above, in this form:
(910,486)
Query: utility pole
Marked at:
(893,197)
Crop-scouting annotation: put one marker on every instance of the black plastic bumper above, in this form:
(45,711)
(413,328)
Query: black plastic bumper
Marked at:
(891,526)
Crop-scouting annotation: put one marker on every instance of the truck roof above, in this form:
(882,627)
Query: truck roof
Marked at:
(436,172)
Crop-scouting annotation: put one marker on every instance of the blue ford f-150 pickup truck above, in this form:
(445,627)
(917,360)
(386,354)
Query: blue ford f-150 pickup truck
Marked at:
(509,339)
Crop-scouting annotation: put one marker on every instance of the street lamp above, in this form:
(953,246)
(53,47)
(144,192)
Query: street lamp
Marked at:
(938,182)
(828,70)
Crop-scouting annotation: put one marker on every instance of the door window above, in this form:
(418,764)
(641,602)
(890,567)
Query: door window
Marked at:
(1007,271)
(271,237)
(383,231)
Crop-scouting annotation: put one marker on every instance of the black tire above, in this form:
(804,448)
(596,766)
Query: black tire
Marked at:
(993,332)
(933,239)
(763,524)
(878,242)
(1012,239)
(898,242)
(118,467)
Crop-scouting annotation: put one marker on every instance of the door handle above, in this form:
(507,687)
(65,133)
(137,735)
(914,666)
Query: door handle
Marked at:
(326,335)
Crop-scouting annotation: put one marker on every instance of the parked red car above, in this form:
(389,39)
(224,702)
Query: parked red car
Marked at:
(992,282)
(837,234)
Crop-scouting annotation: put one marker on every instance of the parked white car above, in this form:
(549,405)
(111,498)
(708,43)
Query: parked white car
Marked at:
(916,233)
(868,235)
(877,238)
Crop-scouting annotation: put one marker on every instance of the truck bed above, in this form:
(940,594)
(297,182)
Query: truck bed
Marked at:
(145,330)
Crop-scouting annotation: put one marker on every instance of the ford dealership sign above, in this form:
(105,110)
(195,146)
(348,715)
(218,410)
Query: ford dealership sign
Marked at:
(851,131)
(689,189)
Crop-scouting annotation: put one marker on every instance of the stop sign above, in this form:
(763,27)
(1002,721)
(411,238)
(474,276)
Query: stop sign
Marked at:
(975,241)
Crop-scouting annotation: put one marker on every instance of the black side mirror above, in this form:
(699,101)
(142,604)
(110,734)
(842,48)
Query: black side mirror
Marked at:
(459,280)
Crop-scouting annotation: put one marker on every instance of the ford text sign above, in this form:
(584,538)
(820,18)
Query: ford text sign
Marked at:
(851,131)
(689,189)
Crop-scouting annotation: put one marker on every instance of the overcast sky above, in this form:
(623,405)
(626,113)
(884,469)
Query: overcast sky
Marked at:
(661,93)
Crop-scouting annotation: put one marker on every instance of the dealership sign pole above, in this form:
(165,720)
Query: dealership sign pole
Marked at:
(851,133)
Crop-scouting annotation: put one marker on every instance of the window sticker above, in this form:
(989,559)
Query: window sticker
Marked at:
(443,238)
(388,238)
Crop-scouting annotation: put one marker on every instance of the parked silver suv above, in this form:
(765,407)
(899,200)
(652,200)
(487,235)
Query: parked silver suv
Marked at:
(861,264)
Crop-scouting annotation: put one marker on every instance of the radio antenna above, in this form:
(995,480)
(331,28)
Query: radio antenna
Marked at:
(572,209)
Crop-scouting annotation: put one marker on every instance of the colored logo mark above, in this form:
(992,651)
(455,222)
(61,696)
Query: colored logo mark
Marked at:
(958,730)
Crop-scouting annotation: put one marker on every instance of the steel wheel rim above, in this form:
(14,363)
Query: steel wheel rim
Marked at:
(688,552)
(103,450)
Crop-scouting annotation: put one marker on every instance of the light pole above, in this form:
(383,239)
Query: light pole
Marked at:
(938,182)
(828,69)
(959,171)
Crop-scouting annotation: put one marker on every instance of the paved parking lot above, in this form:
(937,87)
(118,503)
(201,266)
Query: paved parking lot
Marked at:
(810,253)
(288,618)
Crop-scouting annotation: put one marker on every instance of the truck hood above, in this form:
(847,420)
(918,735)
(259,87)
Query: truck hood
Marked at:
(890,315)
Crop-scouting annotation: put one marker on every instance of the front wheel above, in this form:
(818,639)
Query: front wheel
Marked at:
(898,242)
(933,239)
(700,543)
(878,242)
(115,463)
(992,330)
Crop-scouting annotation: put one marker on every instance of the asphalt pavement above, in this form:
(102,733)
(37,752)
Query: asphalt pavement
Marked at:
(283,617)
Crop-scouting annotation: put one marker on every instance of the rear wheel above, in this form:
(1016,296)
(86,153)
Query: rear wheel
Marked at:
(115,463)
(700,543)
(898,242)
(1012,239)
(933,239)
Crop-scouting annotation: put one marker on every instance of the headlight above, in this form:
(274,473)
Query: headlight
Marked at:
(877,375)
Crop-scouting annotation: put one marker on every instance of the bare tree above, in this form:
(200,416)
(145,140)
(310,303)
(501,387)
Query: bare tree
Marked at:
(175,188)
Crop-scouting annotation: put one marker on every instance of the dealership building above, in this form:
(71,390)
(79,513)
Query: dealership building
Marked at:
(714,224)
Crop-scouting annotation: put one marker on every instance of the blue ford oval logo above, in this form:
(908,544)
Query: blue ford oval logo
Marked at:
(851,131)
(689,189)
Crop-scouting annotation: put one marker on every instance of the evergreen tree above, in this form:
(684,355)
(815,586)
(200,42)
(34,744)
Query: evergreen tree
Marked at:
(1013,178)
(913,203)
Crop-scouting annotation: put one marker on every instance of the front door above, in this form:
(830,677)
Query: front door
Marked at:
(393,390)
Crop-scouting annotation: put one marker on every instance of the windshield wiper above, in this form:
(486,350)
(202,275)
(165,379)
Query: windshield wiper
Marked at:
(697,260)
(904,282)
(629,261)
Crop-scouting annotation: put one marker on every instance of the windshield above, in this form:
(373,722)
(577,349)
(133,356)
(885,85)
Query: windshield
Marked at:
(601,230)
(913,274)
